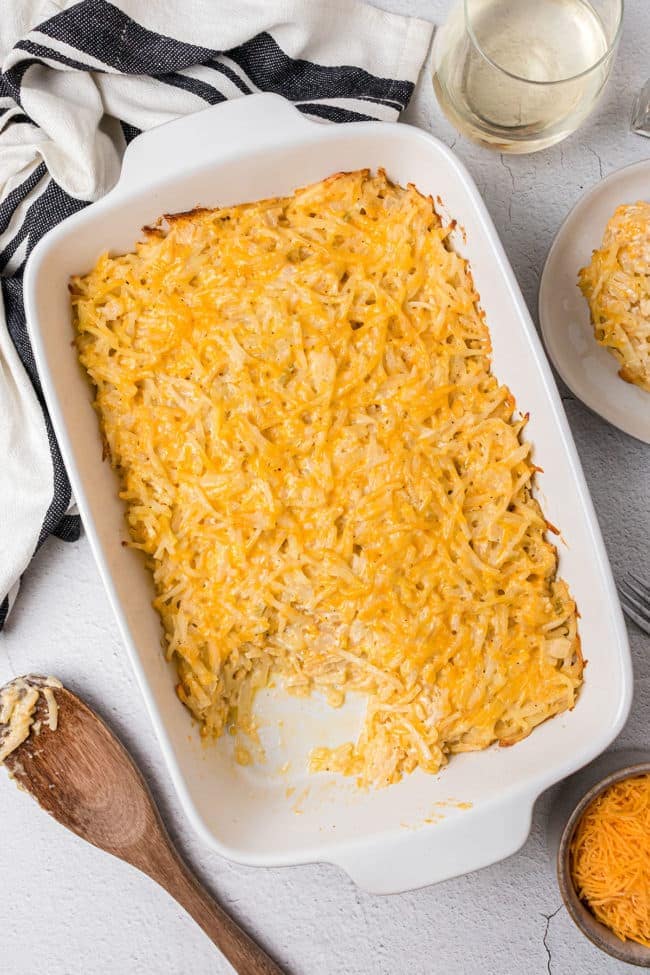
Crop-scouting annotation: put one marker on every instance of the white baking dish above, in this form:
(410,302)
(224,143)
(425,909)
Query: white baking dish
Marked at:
(417,832)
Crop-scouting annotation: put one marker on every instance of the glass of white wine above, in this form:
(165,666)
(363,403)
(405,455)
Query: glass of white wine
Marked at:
(520,75)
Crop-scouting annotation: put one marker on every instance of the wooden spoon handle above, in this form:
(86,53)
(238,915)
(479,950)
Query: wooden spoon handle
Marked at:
(245,956)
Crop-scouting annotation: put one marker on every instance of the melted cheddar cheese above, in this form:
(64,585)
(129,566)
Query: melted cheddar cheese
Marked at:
(329,484)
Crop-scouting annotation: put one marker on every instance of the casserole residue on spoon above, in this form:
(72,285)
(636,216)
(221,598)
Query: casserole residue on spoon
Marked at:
(18,702)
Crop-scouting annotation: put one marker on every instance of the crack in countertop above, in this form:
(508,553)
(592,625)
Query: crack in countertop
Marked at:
(549,918)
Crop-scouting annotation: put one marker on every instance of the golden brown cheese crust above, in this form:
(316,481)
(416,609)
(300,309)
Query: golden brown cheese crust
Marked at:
(327,480)
(616,284)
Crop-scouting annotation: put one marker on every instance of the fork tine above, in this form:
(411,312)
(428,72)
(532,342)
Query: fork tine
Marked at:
(637,612)
(638,596)
(632,613)
(644,588)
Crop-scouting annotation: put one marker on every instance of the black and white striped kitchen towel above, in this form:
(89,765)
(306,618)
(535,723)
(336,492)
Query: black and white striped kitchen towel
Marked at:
(80,79)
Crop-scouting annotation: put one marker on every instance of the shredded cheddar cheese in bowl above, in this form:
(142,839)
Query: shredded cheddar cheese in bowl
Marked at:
(328,482)
(610,858)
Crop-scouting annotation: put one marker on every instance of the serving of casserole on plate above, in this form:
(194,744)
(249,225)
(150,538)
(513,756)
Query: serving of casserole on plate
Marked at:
(316,439)
(593,299)
(616,284)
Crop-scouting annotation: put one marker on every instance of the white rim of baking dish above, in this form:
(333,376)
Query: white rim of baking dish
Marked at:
(268,121)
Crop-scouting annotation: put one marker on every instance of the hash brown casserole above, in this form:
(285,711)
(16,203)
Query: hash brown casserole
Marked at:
(616,285)
(329,484)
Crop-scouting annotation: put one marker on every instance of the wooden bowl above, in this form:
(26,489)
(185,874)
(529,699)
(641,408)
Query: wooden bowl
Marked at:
(628,951)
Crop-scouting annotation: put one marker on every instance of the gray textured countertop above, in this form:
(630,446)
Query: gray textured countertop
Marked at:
(69,909)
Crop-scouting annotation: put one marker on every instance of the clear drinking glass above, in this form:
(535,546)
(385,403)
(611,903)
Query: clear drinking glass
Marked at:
(520,75)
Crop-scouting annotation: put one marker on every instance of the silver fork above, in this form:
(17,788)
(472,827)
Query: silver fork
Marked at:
(635,600)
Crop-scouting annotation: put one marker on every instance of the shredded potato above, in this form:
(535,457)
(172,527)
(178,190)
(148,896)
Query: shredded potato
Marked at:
(329,484)
(616,284)
(610,858)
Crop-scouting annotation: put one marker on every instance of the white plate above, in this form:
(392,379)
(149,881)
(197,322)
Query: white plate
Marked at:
(409,834)
(589,370)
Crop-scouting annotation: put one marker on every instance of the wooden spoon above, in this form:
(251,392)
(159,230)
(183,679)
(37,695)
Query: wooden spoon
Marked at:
(83,776)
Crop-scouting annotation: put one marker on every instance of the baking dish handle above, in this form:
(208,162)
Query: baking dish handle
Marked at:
(461,843)
(227,129)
